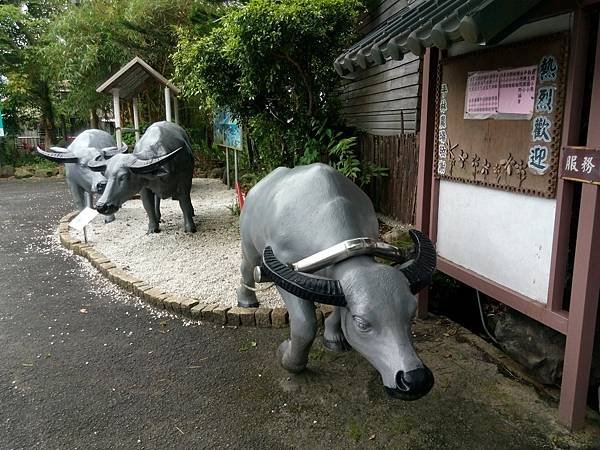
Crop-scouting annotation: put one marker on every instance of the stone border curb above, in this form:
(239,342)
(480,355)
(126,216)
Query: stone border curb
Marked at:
(189,308)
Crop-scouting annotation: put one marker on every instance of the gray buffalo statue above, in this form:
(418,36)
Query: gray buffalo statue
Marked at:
(83,182)
(315,215)
(160,166)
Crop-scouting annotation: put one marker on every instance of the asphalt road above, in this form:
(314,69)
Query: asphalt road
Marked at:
(83,365)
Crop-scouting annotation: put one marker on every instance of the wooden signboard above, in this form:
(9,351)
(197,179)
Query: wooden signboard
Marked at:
(580,164)
(499,116)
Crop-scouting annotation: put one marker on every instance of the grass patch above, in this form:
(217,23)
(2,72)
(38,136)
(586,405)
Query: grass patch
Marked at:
(354,432)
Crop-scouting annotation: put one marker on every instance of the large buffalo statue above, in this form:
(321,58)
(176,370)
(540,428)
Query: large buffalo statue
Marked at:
(83,182)
(160,166)
(314,234)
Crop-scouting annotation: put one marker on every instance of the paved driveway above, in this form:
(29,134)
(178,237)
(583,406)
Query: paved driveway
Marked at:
(82,365)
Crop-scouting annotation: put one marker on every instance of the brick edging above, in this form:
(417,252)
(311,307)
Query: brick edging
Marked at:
(189,308)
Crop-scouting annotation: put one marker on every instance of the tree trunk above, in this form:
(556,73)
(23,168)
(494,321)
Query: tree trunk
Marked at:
(93,118)
(47,114)
(63,123)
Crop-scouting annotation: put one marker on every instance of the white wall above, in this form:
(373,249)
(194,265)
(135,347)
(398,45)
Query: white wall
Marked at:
(503,236)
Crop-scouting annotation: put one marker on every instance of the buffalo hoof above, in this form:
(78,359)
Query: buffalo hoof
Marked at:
(337,344)
(283,355)
(153,229)
(110,218)
(190,229)
(246,298)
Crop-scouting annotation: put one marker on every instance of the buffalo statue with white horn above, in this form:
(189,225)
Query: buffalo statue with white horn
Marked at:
(314,233)
(161,166)
(83,182)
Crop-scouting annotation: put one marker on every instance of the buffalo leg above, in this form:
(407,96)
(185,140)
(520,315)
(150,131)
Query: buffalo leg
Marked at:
(246,298)
(293,352)
(89,201)
(188,211)
(333,337)
(149,205)
(78,195)
(157,207)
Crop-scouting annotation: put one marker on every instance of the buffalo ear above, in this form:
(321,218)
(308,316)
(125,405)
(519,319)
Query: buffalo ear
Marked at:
(158,172)
(98,164)
(109,152)
(147,166)
(59,157)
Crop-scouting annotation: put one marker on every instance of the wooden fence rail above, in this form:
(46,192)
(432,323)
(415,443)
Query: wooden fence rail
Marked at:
(394,195)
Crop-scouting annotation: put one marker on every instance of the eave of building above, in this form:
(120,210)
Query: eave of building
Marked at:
(433,23)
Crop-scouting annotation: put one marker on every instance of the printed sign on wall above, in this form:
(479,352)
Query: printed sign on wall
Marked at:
(580,164)
(501,94)
(520,152)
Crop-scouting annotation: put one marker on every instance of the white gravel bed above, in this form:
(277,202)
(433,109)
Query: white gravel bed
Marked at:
(204,265)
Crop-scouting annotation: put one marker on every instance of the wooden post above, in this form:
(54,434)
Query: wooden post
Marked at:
(136,119)
(117,114)
(167,104)
(425,170)
(585,287)
(176,108)
(580,38)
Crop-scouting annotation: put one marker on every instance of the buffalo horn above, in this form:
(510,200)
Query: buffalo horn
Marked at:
(149,165)
(62,157)
(302,285)
(420,272)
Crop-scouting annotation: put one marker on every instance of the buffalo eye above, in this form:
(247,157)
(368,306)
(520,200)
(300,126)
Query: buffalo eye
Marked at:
(123,177)
(361,324)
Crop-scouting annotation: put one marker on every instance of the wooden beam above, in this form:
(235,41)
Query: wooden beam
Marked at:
(136,119)
(167,104)
(426,139)
(117,114)
(586,286)
(571,127)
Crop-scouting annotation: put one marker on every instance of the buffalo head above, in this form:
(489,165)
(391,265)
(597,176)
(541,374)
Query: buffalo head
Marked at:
(81,157)
(125,176)
(377,304)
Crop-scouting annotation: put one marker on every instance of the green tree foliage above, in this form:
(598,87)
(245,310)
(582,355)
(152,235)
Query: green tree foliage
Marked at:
(92,40)
(25,84)
(270,62)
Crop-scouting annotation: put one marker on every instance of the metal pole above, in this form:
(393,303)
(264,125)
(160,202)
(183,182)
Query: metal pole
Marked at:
(117,114)
(235,166)
(227,166)
(136,119)
(167,104)
(176,108)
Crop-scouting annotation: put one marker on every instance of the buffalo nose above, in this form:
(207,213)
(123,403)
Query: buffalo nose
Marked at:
(413,384)
(101,208)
